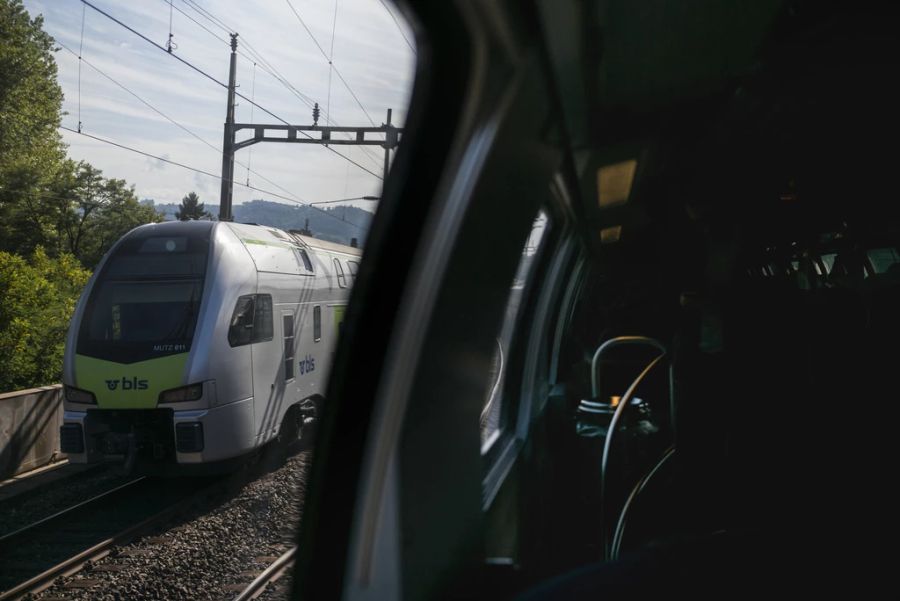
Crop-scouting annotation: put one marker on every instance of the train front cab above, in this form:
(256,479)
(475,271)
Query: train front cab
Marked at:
(178,351)
(590,353)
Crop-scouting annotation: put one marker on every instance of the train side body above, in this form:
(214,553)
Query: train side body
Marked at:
(193,341)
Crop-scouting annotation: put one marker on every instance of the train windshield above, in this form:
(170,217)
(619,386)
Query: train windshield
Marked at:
(146,301)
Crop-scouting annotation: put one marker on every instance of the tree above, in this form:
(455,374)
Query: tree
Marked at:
(191,208)
(31,152)
(101,211)
(37,299)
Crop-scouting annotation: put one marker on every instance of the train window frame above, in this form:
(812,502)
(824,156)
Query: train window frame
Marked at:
(317,323)
(878,262)
(353,268)
(287,334)
(305,260)
(240,328)
(260,326)
(339,272)
(510,327)
(551,287)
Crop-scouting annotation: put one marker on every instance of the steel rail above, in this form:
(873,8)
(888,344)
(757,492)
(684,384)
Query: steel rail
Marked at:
(77,562)
(6,538)
(270,574)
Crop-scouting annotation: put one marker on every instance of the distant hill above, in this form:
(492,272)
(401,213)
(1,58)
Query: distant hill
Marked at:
(336,224)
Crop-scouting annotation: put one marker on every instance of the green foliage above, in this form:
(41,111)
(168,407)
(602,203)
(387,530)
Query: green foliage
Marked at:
(31,152)
(62,214)
(37,299)
(191,208)
(93,212)
(46,200)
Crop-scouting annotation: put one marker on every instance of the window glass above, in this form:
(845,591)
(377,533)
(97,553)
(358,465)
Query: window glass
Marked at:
(251,320)
(140,320)
(882,258)
(159,256)
(190,288)
(288,331)
(494,415)
(339,271)
(240,331)
(146,299)
(263,320)
(317,323)
(304,257)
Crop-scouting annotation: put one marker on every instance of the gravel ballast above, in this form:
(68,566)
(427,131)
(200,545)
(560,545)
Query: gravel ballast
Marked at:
(206,556)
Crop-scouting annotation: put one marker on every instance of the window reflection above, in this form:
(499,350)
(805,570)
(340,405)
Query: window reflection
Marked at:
(494,416)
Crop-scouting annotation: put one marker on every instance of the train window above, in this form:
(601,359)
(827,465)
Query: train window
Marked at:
(353,266)
(304,257)
(159,256)
(133,318)
(288,333)
(317,323)
(251,320)
(164,244)
(883,258)
(342,280)
(494,414)
(241,330)
(262,321)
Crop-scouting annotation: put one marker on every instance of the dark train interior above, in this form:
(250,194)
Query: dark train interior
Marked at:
(714,183)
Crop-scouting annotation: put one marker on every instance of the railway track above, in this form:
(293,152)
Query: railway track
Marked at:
(32,557)
(272,573)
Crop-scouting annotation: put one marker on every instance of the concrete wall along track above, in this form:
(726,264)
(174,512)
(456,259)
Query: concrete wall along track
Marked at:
(29,429)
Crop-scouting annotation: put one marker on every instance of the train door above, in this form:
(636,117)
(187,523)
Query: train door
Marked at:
(266,353)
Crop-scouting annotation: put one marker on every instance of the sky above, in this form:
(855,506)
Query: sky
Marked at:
(369,50)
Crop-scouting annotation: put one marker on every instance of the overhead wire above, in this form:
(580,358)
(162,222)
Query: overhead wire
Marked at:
(220,83)
(211,17)
(254,56)
(399,28)
(333,67)
(331,62)
(180,126)
(251,55)
(73,198)
(206,173)
(80,51)
(201,25)
(325,55)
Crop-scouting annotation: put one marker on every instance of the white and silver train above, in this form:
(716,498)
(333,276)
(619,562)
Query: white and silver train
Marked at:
(198,342)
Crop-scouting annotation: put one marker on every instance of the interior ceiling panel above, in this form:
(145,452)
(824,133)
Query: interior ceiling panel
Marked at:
(656,52)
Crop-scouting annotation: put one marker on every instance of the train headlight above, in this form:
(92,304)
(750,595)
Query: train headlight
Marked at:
(182,394)
(77,395)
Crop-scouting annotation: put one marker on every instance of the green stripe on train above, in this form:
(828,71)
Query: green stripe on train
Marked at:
(339,315)
(129,385)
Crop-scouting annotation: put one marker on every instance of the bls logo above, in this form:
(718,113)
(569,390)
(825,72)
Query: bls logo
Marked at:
(307,365)
(127,384)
